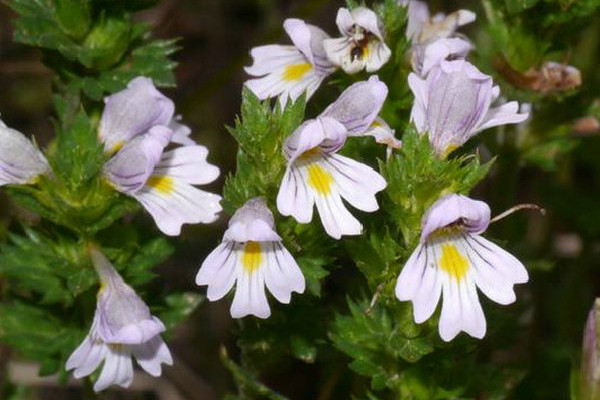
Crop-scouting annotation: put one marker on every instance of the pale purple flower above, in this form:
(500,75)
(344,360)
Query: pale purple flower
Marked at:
(122,328)
(163,182)
(288,71)
(138,125)
(454,103)
(21,162)
(251,256)
(422,26)
(317,175)
(132,112)
(453,259)
(362,45)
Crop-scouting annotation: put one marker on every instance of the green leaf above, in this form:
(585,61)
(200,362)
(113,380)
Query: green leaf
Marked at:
(260,132)
(178,307)
(38,335)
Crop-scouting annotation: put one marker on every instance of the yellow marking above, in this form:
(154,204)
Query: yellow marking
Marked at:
(251,257)
(449,149)
(376,123)
(308,154)
(452,262)
(319,179)
(117,146)
(163,184)
(295,72)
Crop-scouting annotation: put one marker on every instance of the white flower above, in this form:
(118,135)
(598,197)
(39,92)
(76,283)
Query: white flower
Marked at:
(317,175)
(289,71)
(454,260)
(132,112)
(422,27)
(138,124)
(163,181)
(454,103)
(123,327)
(434,38)
(252,257)
(362,45)
(21,162)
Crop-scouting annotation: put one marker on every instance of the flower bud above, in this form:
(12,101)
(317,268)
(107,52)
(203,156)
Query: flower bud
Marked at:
(590,361)
(107,42)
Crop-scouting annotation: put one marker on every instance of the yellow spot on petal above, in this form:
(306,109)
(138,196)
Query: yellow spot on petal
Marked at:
(452,262)
(117,146)
(319,179)
(163,184)
(252,256)
(295,72)
(376,123)
(449,149)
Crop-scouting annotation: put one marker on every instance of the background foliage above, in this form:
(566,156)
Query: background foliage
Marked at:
(334,342)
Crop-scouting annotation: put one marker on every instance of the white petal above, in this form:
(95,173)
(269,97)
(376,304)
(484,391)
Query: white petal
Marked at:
(461,310)
(486,275)
(218,271)
(270,58)
(357,183)
(504,262)
(379,54)
(117,370)
(418,112)
(294,198)
(368,20)
(250,297)
(152,354)
(507,113)
(411,275)
(181,132)
(336,219)
(172,203)
(282,274)
(428,293)
(87,357)
(188,164)
(253,222)
(20,160)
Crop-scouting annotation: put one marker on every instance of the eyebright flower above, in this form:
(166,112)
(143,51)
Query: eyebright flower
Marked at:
(362,45)
(123,327)
(454,260)
(138,124)
(21,162)
(317,175)
(251,256)
(422,27)
(453,104)
(289,71)
(434,38)
(163,181)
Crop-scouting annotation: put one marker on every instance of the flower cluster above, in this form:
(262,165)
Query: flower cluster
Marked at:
(288,71)
(151,158)
(452,97)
